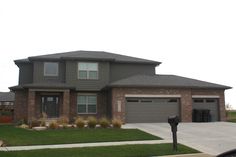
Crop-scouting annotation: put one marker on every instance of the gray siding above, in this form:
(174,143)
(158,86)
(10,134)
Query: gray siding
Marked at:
(123,70)
(38,73)
(84,85)
(25,73)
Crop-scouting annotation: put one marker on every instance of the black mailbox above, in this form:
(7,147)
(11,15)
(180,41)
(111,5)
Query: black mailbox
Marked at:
(174,121)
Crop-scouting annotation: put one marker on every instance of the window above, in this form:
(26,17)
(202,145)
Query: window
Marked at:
(198,100)
(87,104)
(50,69)
(87,70)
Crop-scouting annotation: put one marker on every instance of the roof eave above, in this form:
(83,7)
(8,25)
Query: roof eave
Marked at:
(186,87)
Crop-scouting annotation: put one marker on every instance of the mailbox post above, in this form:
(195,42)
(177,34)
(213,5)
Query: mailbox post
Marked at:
(174,121)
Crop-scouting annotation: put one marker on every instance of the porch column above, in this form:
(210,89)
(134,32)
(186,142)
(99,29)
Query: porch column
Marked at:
(66,103)
(31,105)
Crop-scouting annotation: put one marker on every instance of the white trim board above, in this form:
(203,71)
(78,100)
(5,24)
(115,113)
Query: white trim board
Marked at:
(205,96)
(152,96)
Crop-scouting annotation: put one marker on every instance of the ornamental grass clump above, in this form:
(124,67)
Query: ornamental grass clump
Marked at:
(116,123)
(79,122)
(53,125)
(104,122)
(92,122)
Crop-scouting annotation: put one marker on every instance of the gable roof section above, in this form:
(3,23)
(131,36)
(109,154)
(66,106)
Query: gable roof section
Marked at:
(89,55)
(165,81)
(7,96)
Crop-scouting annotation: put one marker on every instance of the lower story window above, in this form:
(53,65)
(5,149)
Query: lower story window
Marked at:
(87,104)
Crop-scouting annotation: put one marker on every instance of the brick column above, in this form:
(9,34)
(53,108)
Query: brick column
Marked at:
(222,106)
(31,105)
(186,106)
(66,103)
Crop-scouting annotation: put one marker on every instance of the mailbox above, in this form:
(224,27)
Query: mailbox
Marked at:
(174,121)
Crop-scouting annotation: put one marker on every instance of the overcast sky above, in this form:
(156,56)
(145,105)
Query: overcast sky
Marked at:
(196,39)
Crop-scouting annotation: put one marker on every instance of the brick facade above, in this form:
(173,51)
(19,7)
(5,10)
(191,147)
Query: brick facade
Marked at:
(28,104)
(118,96)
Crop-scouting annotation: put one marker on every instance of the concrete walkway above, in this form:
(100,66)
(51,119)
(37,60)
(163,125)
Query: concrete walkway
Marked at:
(77,145)
(189,155)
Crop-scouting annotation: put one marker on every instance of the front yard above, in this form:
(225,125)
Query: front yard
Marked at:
(143,150)
(13,136)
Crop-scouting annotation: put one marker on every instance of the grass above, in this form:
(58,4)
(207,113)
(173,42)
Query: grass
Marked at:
(142,150)
(13,136)
(231,116)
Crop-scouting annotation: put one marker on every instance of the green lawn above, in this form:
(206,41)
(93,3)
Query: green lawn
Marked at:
(231,116)
(144,150)
(13,136)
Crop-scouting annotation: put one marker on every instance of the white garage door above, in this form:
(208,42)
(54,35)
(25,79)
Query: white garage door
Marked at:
(150,110)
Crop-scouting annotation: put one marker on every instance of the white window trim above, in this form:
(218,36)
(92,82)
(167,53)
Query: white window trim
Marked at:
(152,96)
(205,96)
(87,77)
(44,69)
(88,94)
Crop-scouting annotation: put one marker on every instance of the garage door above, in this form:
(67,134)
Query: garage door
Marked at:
(210,104)
(150,110)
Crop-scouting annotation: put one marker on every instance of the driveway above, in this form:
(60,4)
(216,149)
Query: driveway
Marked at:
(211,138)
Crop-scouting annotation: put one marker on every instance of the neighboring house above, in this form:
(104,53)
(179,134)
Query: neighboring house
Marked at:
(7,101)
(83,83)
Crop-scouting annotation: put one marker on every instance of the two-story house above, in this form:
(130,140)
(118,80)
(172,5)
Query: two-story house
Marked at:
(82,83)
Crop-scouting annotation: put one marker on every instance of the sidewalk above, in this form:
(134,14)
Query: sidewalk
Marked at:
(189,155)
(77,145)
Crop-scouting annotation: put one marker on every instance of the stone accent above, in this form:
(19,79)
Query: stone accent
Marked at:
(118,96)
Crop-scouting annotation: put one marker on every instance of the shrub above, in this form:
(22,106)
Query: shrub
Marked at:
(104,122)
(79,122)
(92,122)
(24,126)
(116,123)
(34,123)
(63,120)
(21,121)
(53,125)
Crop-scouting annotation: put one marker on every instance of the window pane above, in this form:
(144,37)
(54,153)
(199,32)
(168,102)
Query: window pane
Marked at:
(92,99)
(81,108)
(91,108)
(81,99)
(93,75)
(83,74)
(82,66)
(50,69)
(92,66)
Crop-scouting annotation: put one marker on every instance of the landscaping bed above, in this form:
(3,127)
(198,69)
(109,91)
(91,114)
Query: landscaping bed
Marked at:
(142,150)
(13,136)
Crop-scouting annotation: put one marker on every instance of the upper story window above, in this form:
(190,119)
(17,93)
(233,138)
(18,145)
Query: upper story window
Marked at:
(50,69)
(87,70)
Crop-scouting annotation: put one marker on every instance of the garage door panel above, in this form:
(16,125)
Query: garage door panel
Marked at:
(209,105)
(152,111)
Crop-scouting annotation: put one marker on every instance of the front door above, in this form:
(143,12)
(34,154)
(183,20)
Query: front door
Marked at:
(50,105)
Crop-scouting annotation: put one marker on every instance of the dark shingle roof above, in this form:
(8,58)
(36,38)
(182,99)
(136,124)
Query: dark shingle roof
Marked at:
(165,81)
(50,85)
(90,55)
(7,96)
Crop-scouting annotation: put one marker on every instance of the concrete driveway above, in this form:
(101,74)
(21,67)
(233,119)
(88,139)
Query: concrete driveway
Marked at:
(211,138)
